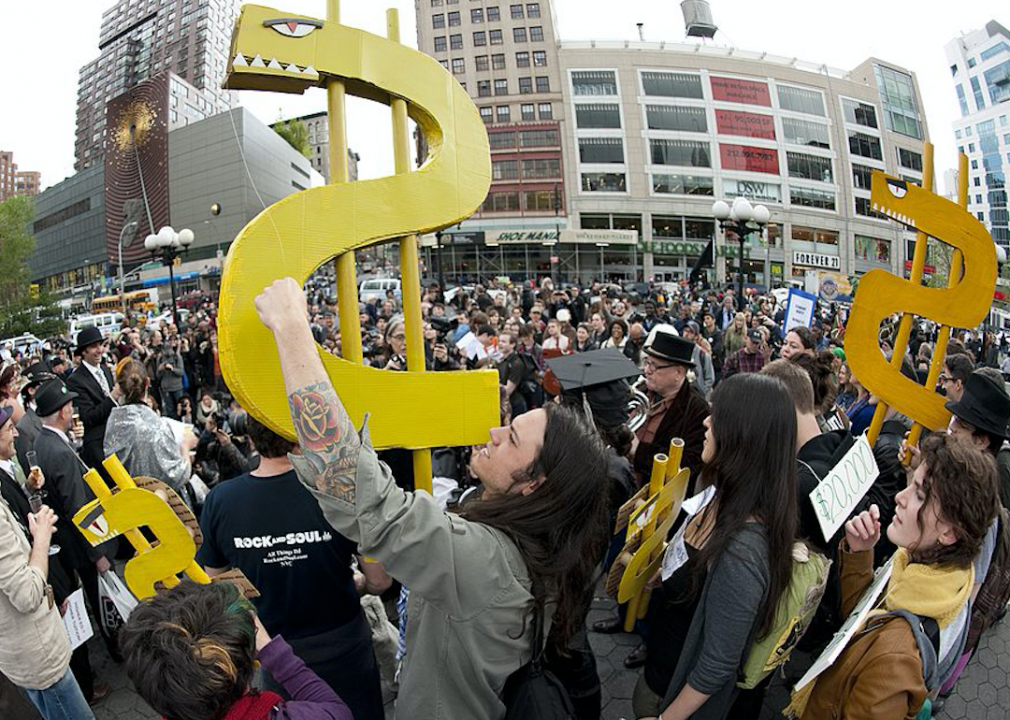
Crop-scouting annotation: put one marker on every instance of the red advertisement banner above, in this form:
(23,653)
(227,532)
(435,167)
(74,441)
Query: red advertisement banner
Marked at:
(751,159)
(737,122)
(749,92)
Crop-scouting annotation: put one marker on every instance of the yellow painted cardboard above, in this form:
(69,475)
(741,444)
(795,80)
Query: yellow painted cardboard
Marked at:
(882,294)
(282,52)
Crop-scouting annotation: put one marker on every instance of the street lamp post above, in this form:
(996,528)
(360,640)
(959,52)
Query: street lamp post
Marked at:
(170,244)
(129,228)
(741,218)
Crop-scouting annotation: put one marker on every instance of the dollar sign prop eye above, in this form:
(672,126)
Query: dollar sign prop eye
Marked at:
(280,52)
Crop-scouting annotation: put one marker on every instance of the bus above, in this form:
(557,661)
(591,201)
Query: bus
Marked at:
(143,301)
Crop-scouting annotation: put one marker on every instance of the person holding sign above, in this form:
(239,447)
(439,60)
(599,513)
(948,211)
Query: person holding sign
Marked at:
(889,667)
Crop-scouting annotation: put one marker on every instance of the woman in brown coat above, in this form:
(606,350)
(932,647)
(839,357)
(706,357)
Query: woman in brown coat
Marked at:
(939,525)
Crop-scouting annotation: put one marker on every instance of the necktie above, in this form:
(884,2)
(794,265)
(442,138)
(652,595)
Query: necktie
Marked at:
(102,380)
(19,474)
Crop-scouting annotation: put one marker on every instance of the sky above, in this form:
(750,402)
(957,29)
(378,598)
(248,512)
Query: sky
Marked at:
(40,66)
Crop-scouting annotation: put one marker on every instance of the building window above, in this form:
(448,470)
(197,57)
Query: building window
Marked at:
(483,88)
(976,90)
(502,140)
(496,39)
(522,59)
(912,160)
(527,112)
(458,66)
(804,132)
(501,87)
(864,207)
(538,200)
(477,15)
(669,117)
(444,63)
(545,169)
(481,61)
(809,167)
(525,86)
(865,146)
(539,139)
(493,14)
(604,182)
(862,177)
(438,21)
(808,197)
(594,82)
(543,84)
(440,43)
(517,12)
(897,96)
(504,115)
(502,170)
(666,84)
(682,185)
(976,181)
(686,153)
(962,100)
(816,237)
(873,249)
(519,34)
(598,115)
(487,114)
(859,113)
(601,150)
(498,60)
(546,111)
(800,100)
(539,58)
(456,42)
(501,202)
(997,79)
(533,10)
(454,19)
(436,3)
(537,33)
(479,39)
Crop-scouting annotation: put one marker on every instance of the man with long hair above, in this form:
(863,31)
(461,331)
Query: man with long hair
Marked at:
(529,543)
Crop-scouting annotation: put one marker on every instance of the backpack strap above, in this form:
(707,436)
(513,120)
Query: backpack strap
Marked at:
(927,638)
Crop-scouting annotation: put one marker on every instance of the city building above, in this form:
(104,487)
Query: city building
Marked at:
(14,182)
(231,160)
(652,133)
(980,66)
(140,39)
(319,140)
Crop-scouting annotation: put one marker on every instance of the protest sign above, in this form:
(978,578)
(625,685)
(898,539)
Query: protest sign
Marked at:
(76,620)
(841,489)
(799,309)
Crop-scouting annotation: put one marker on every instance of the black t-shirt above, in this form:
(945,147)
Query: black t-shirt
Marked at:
(274,531)
(512,368)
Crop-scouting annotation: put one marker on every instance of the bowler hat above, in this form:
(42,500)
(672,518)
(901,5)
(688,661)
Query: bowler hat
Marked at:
(52,396)
(673,348)
(984,405)
(88,336)
(38,373)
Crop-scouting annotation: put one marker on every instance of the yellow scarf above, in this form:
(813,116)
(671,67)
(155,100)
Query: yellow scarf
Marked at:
(929,590)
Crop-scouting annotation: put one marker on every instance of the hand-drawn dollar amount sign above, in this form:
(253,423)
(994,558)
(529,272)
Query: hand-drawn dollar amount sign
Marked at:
(882,294)
(282,52)
(841,489)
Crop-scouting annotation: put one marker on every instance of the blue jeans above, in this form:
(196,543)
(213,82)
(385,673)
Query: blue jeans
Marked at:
(62,700)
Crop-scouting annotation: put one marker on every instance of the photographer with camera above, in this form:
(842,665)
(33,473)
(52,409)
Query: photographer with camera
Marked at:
(223,451)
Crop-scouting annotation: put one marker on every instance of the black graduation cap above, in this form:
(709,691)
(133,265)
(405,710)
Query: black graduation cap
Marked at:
(601,376)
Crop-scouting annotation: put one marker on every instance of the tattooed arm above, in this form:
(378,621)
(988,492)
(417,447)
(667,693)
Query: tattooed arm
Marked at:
(327,436)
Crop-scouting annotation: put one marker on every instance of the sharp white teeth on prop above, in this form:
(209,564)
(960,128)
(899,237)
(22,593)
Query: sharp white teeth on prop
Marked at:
(274,65)
(258,62)
(240,61)
(292,68)
(311,71)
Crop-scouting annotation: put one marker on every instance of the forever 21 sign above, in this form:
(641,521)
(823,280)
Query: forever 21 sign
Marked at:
(828,262)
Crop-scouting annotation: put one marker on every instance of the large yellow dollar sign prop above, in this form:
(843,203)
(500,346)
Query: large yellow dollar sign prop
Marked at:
(881,294)
(277,51)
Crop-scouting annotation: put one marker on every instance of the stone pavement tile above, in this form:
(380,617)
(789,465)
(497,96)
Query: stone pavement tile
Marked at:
(622,685)
(619,709)
(603,645)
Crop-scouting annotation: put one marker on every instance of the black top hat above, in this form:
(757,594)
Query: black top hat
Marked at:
(985,405)
(52,396)
(674,348)
(88,336)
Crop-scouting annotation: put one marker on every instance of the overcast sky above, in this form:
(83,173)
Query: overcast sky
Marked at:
(40,62)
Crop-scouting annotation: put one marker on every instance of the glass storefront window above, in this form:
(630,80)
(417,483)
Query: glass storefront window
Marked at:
(873,249)
(670,117)
(667,84)
(816,237)
(604,182)
(628,222)
(688,153)
(809,197)
(601,150)
(598,115)
(859,113)
(809,167)
(801,100)
(804,132)
(682,185)
(594,82)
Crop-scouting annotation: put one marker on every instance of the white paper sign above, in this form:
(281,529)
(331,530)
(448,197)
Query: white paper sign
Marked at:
(76,620)
(799,309)
(851,626)
(676,552)
(844,486)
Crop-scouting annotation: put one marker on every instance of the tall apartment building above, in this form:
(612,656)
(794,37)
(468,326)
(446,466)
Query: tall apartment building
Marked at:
(319,140)
(505,54)
(15,182)
(142,38)
(980,65)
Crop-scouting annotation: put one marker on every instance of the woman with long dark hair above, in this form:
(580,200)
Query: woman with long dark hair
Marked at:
(739,550)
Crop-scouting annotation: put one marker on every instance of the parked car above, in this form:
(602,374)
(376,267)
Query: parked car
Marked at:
(109,323)
(24,343)
(376,289)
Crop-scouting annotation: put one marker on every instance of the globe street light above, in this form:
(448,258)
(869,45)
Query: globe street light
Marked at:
(170,244)
(741,218)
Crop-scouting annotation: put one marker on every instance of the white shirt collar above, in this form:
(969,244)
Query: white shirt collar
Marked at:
(7,466)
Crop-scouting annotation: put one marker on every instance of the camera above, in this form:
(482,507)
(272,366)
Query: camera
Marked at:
(443,326)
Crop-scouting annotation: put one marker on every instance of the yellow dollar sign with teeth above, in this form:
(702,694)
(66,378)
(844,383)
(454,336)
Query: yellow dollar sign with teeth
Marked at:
(282,52)
(881,294)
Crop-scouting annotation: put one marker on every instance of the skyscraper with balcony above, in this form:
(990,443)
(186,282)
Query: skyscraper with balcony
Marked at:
(980,65)
(142,38)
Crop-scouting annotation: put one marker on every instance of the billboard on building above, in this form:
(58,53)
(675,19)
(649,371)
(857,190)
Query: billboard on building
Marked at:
(747,92)
(751,159)
(745,124)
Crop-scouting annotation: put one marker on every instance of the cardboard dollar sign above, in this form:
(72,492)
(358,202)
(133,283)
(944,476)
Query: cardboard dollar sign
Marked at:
(963,304)
(278,51)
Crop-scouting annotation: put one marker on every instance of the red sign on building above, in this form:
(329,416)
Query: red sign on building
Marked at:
(736,90)
(751,159)
(737,122)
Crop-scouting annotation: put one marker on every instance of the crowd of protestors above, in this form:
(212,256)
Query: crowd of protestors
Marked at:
(369,590)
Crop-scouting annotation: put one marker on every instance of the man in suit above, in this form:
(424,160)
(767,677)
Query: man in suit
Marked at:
(96,394)
(30,424)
